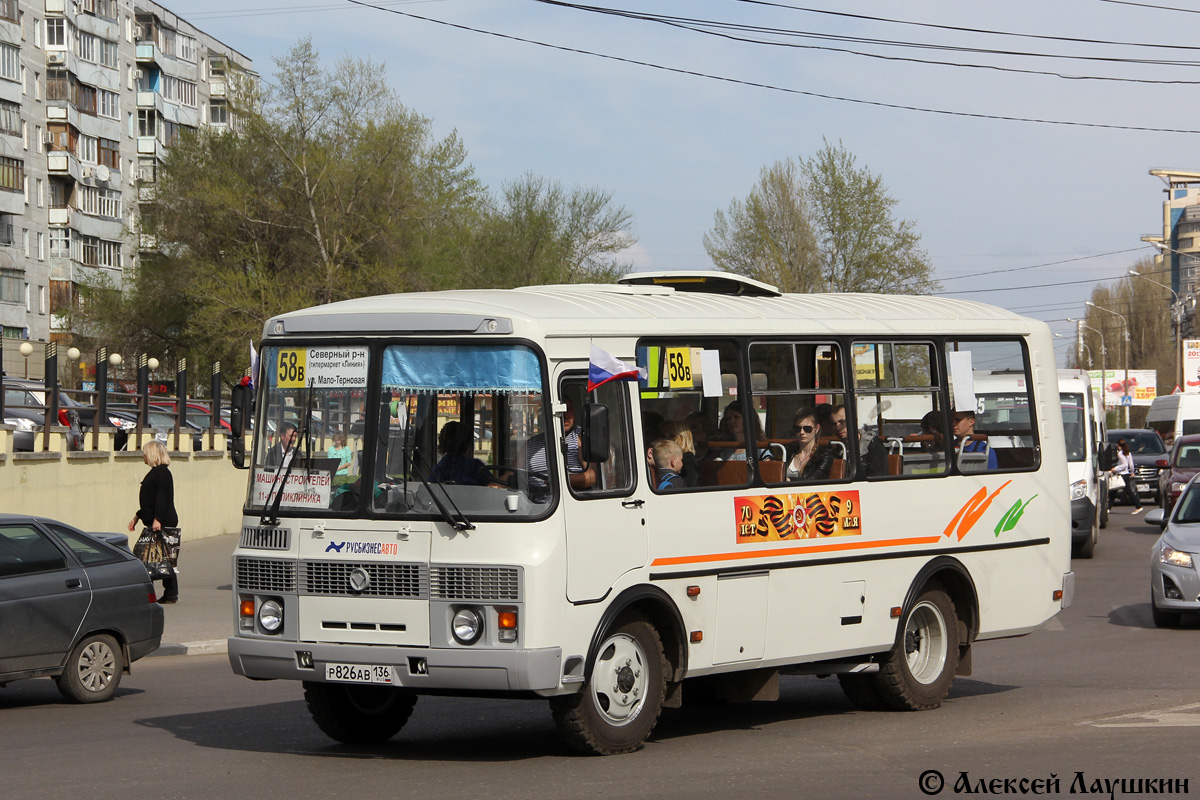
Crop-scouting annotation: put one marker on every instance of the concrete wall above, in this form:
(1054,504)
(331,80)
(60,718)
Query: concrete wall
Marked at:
(98,490)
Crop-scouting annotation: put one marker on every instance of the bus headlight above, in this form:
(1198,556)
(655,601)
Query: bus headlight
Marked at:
(270,615)
(467,625)
(1079,489)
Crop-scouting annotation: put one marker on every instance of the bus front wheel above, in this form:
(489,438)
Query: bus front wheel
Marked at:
(917,673)
(358,714)
(619,703)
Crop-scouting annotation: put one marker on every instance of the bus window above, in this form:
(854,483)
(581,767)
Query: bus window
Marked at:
(696,383)
(800,388)
(901,422)
(994,425)
(614,476)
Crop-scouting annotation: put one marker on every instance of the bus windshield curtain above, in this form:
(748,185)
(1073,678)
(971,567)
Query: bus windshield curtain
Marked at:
(461,368)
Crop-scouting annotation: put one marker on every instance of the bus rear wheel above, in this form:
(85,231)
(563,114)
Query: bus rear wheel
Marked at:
(619,704)
(358,714)
(917,672)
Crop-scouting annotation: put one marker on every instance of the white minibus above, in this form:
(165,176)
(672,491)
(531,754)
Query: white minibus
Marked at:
(602,495)
(1174,415)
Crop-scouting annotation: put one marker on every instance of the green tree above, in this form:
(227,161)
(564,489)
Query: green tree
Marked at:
(822,225)
(329,188)
(540,233)
(768,237)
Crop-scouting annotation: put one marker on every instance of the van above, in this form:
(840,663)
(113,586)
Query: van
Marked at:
(1087,459)
(1174,415)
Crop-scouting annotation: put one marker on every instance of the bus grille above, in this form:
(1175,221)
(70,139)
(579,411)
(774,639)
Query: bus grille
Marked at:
(265,575)
(264,538)
(386,580)
(475,583)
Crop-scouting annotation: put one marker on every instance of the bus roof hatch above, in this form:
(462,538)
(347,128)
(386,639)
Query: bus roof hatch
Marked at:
(708,282)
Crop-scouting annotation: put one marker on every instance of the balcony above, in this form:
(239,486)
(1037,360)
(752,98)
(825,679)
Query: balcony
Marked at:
(148,52)
(62,162)
(216,88)
(59,216)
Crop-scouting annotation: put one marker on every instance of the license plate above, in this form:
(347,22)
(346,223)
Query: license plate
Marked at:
(360,673)
(1143,487)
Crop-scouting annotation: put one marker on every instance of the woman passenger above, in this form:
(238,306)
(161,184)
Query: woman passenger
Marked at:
(811,461)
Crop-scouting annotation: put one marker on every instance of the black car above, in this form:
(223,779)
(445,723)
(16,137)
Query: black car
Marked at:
(1147,449)
(75,607)
(25,409)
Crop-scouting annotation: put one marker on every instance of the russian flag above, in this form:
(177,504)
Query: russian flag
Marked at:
(604,367)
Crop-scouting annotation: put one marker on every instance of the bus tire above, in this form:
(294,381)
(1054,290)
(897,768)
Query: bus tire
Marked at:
(917,672)
(1102,497)
(619,703)
(358,714)
(862,690)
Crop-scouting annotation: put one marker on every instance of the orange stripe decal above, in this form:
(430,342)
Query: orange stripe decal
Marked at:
(791,551)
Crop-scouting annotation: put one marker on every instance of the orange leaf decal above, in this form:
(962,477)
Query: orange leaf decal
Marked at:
(971,511)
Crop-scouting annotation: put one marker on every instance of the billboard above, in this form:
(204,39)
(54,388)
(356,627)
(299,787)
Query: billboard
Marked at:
(1140,389)
(1191,365)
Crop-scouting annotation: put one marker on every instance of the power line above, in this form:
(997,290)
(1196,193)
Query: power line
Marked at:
(1038,266)
(772,87)
(1150,5)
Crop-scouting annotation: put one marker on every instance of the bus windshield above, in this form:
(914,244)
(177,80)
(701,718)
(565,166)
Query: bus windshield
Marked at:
(451,434)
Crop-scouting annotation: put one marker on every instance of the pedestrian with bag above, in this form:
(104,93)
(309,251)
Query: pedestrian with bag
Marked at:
(1125,469)
(157,513)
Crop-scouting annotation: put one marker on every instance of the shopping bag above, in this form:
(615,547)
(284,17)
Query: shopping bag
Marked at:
(158,550)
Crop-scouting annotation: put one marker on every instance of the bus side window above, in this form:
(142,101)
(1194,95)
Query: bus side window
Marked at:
(614,475)
(1004,423)
(701,411)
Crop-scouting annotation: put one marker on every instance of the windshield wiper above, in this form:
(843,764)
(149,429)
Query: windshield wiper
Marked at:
(287,471)
(458,520)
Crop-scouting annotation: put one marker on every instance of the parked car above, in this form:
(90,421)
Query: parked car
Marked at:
(25,409)
(160,418)
(1178,468)
(72,605)
(1147,449)
(1174,580)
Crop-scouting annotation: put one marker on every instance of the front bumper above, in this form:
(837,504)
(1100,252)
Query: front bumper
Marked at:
(1185,579)
(416,668)
(1083,515)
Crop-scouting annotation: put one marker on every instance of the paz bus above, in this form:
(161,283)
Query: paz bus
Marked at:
(446,496)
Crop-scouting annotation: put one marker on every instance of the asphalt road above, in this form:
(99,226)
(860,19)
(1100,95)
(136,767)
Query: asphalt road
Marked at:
(1097,691)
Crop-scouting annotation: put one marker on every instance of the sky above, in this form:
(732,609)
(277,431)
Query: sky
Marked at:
(1014,207)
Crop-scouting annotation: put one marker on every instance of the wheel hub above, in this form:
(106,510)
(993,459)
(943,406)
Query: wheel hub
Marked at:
(625,679)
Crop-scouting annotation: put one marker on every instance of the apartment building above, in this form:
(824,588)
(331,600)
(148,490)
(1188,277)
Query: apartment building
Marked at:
(1179,242)
(92,93)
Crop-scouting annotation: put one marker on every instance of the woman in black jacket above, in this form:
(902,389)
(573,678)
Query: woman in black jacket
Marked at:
(157,504)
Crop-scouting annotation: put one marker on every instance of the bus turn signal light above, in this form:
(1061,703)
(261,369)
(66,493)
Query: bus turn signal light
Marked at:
(693,591)
(1057,595)
(247,607)
(507,619)
(697,637)
(896,612)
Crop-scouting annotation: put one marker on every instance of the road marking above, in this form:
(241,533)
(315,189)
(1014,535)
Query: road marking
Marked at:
(1178,717)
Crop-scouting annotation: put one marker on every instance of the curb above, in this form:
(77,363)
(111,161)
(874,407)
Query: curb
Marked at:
(205,648)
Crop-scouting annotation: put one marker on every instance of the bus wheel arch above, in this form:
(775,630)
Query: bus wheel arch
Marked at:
(634,663)
(956,581)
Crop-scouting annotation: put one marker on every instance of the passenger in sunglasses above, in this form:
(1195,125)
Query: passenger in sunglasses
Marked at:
(811,461)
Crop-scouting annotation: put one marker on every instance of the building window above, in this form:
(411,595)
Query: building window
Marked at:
(42,300)
(86,99)
(85,46)
(8,10)
(41,239)
(100,252)
(87,149)
(58,84)
(106,9)
(12,287)
(41,193)
(178,91)
(216,67)
(109,104)
(218,113)
(100,202)
(56,33)
(108,153)
(10,118)
(10,62)
(108,53)
(60,242)
(146,122)
(12,174)
(187,48)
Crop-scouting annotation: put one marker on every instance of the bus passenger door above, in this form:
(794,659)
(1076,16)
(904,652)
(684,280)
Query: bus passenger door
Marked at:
(605,534)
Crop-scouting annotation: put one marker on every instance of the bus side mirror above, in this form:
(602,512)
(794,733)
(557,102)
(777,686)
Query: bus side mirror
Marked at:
(1108,456)
(595,439)
(239,412)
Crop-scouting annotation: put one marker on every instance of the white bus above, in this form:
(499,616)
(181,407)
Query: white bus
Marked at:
(437,503)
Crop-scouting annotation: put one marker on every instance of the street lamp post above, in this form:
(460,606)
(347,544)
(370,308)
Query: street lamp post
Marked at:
(1124,383)
(26,350)
(1177,314)
(1079,326)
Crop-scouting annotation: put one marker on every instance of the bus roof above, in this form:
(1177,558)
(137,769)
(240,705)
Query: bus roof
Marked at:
(591,310)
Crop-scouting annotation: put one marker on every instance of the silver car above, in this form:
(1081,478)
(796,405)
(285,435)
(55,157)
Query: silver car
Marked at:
(1174,575)
(75,607)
